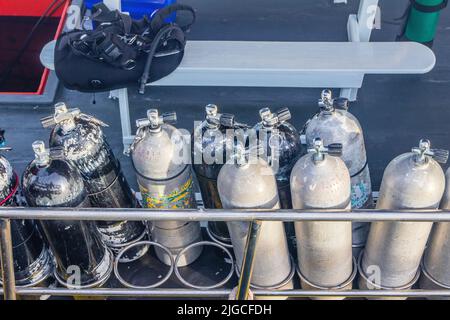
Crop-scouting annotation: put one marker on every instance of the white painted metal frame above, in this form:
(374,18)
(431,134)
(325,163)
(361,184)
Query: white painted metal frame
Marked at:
(359,29)
(269,64)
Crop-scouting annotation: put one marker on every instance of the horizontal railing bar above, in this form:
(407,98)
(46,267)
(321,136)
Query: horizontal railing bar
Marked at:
(225,293)
(108,214)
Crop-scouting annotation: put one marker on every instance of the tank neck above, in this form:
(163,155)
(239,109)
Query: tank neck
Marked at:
(326,102)
(423,153)
(41,154)
(212,116)
(154,121)
(319,151)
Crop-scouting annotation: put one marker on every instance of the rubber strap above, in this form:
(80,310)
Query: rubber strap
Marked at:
(13,191)
(428,9)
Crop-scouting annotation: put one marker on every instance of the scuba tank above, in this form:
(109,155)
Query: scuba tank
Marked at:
(247,182)
(413,180)
(209,152)
(33,262)
(436,260)
(85,146)
(320,180)
(334,124)
(282,148)
(81,257)
(165,181)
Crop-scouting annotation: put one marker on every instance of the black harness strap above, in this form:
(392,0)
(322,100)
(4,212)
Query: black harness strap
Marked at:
(428,9)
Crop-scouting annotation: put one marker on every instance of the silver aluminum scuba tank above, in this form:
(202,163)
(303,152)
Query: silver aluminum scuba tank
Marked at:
(436,260)
(85,146)
(334,124)
(33,262)
(282,146)
(209,151)
(247,182)
(165,181)
(81,257)
(413,180)
(320,180)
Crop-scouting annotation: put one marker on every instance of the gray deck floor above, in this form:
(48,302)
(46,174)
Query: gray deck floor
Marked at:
(395,111)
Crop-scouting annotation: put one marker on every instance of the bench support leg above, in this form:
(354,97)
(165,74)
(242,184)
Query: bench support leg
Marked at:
(122,96)
(359,29)
(350,93)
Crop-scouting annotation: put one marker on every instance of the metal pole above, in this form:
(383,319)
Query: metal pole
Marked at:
(112,214)
(247,262)
(223,293)
(7,265)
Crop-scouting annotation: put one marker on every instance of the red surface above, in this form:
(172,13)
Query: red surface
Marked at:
(30,8)
(33,8)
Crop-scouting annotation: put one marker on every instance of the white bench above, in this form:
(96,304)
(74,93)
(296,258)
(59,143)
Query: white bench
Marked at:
(288,64)
(295,64)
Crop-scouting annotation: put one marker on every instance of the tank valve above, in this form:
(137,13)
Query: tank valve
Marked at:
(154,120)
(3,141)
(62,114)
(214,118)
(244,155)
(326,100)
(424,151)
(66,118)
(319,150)
(283,115)
(41,154)
(270,119)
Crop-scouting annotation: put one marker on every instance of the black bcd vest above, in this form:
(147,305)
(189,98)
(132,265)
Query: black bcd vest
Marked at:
(120,51)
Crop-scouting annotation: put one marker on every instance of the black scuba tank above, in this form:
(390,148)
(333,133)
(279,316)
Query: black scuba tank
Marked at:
(33,262)
(85,146)
(209,152)
(282,148)
(50,181)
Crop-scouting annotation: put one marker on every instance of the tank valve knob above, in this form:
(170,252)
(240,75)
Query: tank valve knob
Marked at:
(341,103)
(227,120)
(424,150)
(169,117)
(154,120)
(440,155)
(335,149)
(283,115)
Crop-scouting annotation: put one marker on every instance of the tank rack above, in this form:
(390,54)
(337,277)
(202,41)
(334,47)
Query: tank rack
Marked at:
(255,216)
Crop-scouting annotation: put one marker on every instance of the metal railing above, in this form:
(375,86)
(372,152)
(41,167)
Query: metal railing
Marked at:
(254,216)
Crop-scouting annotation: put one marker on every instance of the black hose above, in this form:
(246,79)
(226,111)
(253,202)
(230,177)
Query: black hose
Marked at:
(161,33)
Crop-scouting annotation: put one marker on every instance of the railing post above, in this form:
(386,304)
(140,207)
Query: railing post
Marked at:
(247,262)
(6,260)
